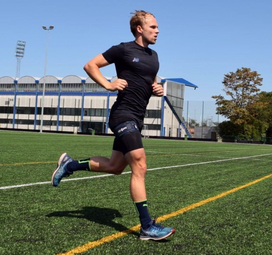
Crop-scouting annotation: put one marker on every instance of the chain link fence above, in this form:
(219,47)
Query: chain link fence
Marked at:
(201,119)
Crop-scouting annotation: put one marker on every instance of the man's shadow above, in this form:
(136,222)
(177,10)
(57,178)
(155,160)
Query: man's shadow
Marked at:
(98,215)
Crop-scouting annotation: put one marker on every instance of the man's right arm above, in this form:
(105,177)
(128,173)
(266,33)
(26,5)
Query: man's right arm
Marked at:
(92,68)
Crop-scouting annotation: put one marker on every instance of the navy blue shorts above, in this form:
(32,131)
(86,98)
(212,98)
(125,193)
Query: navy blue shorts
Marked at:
(127,137)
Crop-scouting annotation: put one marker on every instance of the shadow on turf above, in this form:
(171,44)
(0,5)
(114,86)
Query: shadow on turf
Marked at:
(103,216)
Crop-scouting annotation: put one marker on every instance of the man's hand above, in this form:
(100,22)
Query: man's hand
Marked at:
(157,89)
(118,84)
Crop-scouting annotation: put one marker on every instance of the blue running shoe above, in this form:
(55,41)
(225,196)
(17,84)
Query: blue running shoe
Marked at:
(61,170)
(156,232)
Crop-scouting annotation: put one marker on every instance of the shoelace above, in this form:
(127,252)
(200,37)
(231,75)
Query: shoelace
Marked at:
(158,226)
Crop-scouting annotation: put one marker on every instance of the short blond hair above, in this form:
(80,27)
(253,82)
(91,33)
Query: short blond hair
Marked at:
(138,19)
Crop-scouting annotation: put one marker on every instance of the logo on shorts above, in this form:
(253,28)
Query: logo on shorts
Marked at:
(121,130)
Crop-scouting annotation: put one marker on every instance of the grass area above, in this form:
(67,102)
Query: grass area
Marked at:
(41,219)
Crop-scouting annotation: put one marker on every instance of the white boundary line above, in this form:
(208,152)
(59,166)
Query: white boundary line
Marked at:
(151,169)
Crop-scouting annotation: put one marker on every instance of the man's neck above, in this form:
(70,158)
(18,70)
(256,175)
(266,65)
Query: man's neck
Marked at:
(139,40)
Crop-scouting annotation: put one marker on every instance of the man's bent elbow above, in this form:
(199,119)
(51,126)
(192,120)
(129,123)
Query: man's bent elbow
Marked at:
(86,67)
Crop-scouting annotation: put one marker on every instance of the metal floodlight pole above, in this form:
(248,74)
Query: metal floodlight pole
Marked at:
(19,54)
(44,79)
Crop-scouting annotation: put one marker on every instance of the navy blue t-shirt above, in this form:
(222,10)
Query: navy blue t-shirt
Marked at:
(139,67)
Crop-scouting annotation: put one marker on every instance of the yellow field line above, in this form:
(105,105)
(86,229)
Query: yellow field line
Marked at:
(110,238)
(29,163)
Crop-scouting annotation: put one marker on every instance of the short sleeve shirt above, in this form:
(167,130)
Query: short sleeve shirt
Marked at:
(138,66)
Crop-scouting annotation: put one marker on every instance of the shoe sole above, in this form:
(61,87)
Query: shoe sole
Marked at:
(58,166)
(157,238)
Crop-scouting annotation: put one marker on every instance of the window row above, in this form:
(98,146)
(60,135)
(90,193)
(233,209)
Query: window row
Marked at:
(99,127)
(73,87)
(99,112)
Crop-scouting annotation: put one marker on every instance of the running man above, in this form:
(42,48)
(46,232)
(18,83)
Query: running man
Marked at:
(137,66)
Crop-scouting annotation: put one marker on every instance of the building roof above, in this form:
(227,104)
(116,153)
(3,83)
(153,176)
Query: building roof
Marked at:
(78,79)
(180,80)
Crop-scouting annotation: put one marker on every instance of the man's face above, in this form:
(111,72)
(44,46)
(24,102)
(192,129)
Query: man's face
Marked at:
(150,30)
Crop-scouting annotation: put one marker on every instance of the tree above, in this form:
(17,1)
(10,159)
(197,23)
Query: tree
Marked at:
(228,128)
(264,111)
(241,87)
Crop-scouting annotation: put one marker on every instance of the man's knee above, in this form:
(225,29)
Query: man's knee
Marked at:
(142,167)
(139,169)
(137,161)
(117,170)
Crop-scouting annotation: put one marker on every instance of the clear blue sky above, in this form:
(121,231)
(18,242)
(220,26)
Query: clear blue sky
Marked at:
(199,40)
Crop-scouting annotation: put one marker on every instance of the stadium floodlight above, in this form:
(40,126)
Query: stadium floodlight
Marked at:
(46,51)
(19,54)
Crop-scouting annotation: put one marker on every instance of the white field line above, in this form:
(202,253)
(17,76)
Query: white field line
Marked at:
(151,169)
(171,153)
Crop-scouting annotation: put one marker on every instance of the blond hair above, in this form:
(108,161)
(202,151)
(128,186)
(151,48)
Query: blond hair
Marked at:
(138,19)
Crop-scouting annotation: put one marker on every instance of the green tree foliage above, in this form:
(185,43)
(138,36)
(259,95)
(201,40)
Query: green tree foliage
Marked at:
(241,88)
(228,128)
(264,111)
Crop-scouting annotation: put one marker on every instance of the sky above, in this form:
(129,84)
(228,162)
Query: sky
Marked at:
(199,41)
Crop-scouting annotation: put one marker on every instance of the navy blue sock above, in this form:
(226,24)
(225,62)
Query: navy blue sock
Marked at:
(76,165)
(142,210)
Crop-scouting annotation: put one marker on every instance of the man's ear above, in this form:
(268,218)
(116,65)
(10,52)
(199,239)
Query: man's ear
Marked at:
(139,29)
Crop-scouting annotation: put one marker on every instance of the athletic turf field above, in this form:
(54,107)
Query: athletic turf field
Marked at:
(216,195)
